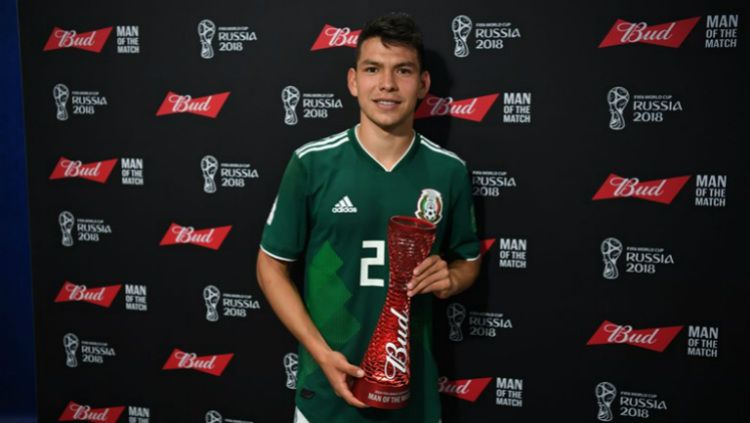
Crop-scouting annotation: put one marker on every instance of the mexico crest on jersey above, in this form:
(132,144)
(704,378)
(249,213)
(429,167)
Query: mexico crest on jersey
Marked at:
(430,206)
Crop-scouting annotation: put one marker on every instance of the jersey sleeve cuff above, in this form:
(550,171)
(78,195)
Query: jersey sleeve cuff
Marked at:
(277,256)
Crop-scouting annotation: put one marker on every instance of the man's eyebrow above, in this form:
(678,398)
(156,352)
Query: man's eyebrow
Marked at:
(371,62)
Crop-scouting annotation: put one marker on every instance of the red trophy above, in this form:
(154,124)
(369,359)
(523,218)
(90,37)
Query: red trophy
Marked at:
(386,363)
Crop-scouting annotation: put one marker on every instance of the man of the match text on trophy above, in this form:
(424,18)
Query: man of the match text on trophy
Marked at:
(332,211)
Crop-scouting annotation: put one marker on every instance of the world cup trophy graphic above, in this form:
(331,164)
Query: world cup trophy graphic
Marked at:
(70,343)
(290,98)
(386,362)
(211,296)
(209,166)
(206,32)
(461,27)
(456,315)
(66,220)
(605,395)
(61,93)
(611,251)
(617,98)
(213,416)
(290,367)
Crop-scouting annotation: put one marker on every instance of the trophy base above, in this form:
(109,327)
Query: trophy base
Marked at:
(381,396)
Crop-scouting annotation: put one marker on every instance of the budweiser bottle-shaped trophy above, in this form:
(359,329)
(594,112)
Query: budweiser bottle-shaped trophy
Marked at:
(386,362)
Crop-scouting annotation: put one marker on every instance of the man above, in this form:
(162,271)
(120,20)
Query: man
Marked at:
(333,206)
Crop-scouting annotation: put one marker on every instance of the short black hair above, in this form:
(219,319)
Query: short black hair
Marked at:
(396,28)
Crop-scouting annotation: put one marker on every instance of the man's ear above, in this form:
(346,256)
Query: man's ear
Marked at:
(424,84)
(351,81)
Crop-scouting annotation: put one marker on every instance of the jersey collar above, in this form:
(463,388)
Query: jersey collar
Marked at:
(361,148)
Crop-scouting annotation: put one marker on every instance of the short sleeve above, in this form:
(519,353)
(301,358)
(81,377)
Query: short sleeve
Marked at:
(285,233)
(462,240)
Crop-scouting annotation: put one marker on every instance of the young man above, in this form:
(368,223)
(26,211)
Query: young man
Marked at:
(333,206)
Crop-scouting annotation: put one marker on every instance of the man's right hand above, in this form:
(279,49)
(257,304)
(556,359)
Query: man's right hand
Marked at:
(341,375)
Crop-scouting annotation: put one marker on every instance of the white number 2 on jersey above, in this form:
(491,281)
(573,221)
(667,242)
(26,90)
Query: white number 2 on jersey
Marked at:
(378,260)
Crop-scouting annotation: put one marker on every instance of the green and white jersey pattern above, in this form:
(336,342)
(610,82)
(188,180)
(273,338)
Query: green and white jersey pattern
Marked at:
(332,209)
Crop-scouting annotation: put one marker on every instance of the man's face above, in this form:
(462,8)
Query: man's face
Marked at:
(387,83)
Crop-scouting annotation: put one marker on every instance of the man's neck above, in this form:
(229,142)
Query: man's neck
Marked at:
(385,146)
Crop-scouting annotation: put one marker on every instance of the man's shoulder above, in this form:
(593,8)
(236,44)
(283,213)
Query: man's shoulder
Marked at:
(440,155)
(327,144)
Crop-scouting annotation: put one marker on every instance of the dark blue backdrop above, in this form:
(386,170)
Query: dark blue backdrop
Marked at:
(16,338)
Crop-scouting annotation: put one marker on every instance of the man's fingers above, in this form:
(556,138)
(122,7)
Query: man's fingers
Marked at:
(426,263)
(436,281)
(353,371)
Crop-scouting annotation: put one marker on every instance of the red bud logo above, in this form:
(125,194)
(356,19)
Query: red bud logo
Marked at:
(670,34)
(101,296)
(485,245)
(211,364)
(210,238)
(659,190)
(90,41)
(78,412)
(466,389)
(473,109)
(331,37)
(95,171)
(654,339)
(208,106)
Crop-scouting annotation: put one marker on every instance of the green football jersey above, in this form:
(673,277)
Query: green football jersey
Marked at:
(333,207)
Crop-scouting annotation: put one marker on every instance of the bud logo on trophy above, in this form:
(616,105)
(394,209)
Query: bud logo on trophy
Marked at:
(386,362)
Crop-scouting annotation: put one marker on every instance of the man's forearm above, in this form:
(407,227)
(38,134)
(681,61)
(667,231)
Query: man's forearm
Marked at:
(282,294)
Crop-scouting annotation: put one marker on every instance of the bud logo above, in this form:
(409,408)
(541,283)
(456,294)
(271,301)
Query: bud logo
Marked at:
(654,339)
(331,37)
(485,245)
(670,34)
(210,238)
(466,389)
(95,171)
(78,412)
(208,106)
(90,41)
(473,109)
(659,190)
(211,364)
(101,296)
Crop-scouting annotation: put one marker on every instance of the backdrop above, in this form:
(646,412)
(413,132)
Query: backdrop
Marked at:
(606,146)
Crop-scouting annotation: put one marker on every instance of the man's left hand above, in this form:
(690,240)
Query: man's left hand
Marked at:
(432,275)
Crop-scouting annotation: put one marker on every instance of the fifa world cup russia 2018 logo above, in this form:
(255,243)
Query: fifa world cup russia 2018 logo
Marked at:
(456,315)
(290,98)
(617,98)
(206,32)
(209,166)
(461,27)
(605,395)
(291,361)
(70,343)
(611,251)
(61,93)
(430,206)
(211,296)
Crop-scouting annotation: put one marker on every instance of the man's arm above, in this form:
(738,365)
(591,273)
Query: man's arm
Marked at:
(281,293)
(441,278)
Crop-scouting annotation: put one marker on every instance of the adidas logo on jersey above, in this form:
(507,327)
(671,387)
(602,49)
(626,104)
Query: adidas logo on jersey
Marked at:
(344,206)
